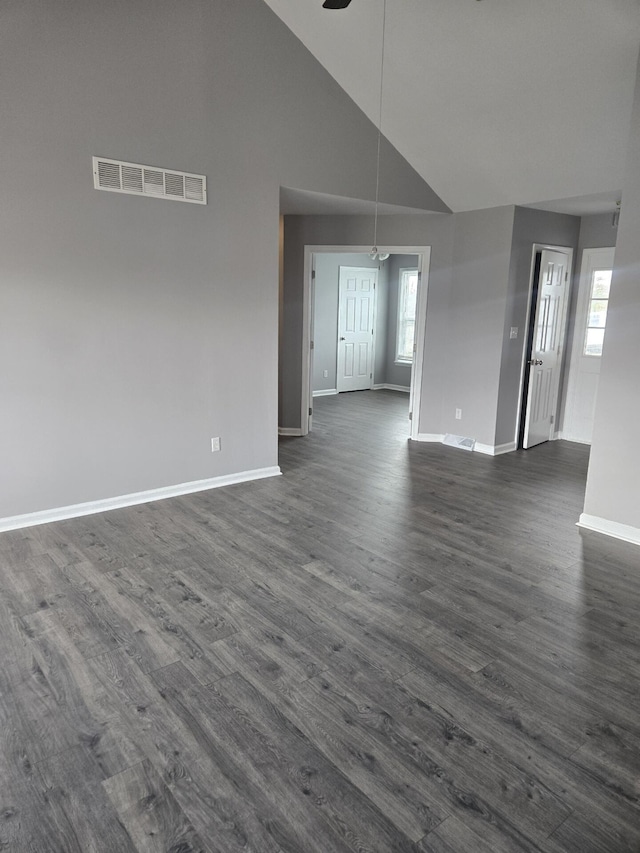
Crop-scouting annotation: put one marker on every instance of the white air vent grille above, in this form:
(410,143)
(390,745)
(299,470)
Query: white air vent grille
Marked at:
(459,441)
(133,178)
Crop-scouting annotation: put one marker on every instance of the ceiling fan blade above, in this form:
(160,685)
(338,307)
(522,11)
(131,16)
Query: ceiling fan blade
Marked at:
(335,4)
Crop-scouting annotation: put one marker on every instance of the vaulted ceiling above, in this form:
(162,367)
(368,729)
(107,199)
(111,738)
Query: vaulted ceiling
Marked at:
(492,102)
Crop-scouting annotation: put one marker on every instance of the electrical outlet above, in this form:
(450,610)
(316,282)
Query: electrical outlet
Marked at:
(458,414)
(325,373)
(514,333)
(215,444)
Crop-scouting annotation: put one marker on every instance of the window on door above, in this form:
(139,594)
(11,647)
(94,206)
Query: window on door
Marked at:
(407,303)
(597,312)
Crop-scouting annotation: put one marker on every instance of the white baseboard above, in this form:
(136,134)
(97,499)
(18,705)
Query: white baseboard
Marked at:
(289,431)
(328,392)
(384,386)
(496,450)
(487,449)
(430,436)
(565,437)
(46,516)
(610,528)
(508,447)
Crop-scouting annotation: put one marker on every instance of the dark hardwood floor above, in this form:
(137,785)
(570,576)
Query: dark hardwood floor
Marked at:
(393,647)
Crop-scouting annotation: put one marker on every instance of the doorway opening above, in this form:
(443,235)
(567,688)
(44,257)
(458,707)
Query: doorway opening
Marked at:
(542,369)
(363,324)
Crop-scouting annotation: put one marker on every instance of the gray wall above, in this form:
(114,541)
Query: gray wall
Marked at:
(613,485)
(405,230)
(478,289)
(396,374)
(530,226)
(480,274)
(325,321)
(597,232)
(131,329)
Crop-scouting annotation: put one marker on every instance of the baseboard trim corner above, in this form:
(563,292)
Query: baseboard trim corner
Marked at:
(485,449)
(508,447)
(289,431)
(328,392)
(495,450)
(567,437)
(64,513)
(625,532)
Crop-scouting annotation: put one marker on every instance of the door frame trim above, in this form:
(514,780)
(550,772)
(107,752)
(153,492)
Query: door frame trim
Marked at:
(540,247)
(424,263)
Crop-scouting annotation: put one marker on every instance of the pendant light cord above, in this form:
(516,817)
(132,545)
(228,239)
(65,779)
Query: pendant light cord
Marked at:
(375,219)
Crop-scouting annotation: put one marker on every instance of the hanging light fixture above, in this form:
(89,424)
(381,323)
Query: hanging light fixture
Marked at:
(376,255)
(616,214)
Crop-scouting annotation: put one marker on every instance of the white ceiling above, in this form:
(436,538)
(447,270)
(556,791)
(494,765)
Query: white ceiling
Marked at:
(493,102)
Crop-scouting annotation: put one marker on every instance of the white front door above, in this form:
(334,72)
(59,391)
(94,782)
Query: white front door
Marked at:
(584,367)
(355,328)
(546,351)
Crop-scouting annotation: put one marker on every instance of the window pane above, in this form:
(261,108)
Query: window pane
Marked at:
(405,349)
(410,284)
(601,284)
(598,313)
(593,344)
(407,303)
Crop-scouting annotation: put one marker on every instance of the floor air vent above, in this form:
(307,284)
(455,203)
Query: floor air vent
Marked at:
(118,177)
(459,441)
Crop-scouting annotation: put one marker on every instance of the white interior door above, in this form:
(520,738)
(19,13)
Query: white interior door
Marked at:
(584,368)
(548,341)
(356,318)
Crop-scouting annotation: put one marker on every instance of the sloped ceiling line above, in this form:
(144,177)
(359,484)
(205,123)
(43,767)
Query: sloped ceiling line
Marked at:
(499,102)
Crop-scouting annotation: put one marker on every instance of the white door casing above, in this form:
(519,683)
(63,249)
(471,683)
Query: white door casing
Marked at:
(548,342)
(584,370)
(415,390)
(356,327)
(312,302)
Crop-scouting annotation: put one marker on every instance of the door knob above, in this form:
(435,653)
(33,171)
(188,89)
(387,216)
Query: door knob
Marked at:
(343,339)
(536,362)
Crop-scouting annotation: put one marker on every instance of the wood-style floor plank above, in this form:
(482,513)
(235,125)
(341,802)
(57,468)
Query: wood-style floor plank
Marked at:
(79,807)
(149,812)
(393,647)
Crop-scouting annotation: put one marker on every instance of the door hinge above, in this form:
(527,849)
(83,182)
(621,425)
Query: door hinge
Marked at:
(410,416)
(310,411)
(566,275)
(313,273)
(553,417)
(311,345)
(371,376)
